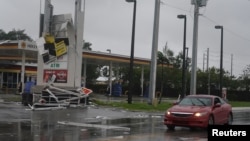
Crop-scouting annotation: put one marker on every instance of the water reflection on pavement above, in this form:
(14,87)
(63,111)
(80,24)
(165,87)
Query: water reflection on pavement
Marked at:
(19,123)
(92,123)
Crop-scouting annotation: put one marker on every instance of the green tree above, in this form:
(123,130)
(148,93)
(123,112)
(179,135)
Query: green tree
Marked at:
(167,77)
(162,59)
(245,78)
(14,35)
(168,54)
(87,46)
(2,35)
(92,73)
(178,60)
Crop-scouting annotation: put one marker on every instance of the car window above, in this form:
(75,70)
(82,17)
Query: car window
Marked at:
(196,101)
(186,101)
(216,100)
(222,101)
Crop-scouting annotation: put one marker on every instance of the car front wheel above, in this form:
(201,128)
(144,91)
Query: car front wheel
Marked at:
(171,127)
(211,120)
(230,119)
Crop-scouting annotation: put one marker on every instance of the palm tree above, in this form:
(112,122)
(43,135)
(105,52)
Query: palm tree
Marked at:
(87,46)
(163,59)
(14,35)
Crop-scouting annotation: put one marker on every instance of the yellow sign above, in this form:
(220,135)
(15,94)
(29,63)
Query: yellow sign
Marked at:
(49,39)
(60,48)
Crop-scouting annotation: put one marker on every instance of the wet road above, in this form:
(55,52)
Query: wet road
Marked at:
(18,123)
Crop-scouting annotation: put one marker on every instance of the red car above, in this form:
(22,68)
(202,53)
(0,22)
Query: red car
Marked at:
(199,111)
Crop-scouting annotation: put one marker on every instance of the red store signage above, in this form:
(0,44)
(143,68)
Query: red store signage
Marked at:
(61,75)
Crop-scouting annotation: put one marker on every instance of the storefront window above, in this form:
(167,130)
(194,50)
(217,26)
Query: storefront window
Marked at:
(9,80)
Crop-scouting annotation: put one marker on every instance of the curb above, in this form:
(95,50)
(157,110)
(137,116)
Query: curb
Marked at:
(240,108)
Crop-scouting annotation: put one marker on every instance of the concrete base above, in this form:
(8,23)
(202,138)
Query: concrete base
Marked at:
(155,102)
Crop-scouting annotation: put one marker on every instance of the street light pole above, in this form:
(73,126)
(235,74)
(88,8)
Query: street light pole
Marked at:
(221,57)
(184,58)
(187,64)
(110,75)
(130,91)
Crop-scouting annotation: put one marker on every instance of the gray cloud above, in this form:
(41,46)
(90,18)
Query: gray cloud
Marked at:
(108,24)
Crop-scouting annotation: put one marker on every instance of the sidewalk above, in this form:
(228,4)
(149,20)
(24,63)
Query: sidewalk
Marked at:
(10,98)
(240,108)
(123,98)
(103,97)
(100,97)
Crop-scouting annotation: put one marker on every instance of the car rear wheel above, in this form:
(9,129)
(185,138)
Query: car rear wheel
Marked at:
(230,119)
(171,127)
(211,120)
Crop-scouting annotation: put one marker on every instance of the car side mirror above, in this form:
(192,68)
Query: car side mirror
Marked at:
(175,103)
(217,105)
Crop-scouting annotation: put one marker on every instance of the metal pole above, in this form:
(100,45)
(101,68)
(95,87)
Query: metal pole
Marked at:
(154,53)
(84,72)
(208,72)
(142,80)
(183,56)
(184,60)
(132,58)
(110,75)
(203,62)
(221,61)
(23,69)
(231,66)
(221,57)
(186,68)
(194,52)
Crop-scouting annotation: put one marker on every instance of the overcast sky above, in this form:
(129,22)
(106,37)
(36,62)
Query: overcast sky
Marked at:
(108,25)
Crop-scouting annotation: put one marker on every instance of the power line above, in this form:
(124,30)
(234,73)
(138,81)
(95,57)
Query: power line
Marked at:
(172,6)
(235,34)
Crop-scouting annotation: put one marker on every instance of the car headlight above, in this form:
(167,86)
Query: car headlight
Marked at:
(199,114)
(168,113)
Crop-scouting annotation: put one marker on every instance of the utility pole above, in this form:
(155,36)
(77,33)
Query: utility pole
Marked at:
(203,62)
(231,66)
(187,63)
(110,75)
(131,64)
(197,4)
(154,53)
(208,72)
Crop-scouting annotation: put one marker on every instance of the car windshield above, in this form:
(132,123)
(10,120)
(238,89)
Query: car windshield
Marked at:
(196,101)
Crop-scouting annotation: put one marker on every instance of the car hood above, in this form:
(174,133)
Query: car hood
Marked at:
(191,109)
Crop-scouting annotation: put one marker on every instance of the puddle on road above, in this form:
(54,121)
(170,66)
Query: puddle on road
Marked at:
(90,124)
(241,118)
(47,128)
